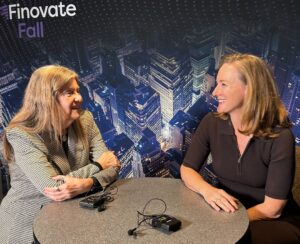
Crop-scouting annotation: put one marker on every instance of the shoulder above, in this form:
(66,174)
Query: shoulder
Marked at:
(17,136)
(285,135)
(85,114)
(86,117)
(211,120)
(17,132)
(209,124)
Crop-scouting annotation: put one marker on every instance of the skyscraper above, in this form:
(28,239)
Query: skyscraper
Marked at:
(151,156)
(170,77)
(143,112)
(123,148)
(202,46)
(136,68)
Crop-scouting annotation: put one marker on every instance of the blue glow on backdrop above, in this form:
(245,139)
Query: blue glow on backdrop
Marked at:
(147,68)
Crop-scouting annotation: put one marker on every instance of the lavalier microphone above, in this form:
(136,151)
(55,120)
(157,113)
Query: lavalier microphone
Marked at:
(132,232)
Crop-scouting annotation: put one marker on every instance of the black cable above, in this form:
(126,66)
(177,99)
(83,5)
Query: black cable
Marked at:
(155,199)
(147,217)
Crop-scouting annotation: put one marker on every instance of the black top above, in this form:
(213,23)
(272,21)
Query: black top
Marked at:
(266,167)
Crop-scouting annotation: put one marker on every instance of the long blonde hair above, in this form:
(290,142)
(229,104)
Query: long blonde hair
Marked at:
(262,107)
(41,111)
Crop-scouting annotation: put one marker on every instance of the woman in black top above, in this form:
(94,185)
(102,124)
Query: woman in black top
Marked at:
(252,148)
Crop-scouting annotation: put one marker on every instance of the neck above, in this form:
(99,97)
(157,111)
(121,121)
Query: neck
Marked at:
(236,121)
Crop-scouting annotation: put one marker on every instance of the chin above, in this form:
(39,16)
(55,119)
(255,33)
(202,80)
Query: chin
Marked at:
(75,113)
(220,110)
(75,117)
(223,109)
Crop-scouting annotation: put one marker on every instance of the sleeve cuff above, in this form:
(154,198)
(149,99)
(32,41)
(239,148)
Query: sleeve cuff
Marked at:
(98,165)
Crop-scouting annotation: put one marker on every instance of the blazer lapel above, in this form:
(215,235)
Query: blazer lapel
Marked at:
(75,149)
(57,156)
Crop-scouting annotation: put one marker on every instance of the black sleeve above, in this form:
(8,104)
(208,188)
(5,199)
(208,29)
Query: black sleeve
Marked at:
(200,146)
(282,166)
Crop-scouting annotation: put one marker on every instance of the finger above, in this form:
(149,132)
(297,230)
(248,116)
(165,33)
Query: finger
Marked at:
(231,197)
(50,189)
(233,201)
(55,193)
(55,188)
(215,206)
(59,178)
(225,205)
(55,197)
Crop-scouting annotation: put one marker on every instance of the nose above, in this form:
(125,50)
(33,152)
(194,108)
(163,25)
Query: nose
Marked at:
(78,97)
(215,92)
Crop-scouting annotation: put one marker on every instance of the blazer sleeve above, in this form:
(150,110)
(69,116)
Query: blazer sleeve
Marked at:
(31,158)
(97,147)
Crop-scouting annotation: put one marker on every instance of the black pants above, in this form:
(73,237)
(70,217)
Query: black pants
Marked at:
(283,230)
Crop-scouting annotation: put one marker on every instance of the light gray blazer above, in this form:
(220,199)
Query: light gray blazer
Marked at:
(37,160)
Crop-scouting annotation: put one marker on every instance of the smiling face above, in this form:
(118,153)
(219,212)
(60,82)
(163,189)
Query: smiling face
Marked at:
(70,101)
(230,90)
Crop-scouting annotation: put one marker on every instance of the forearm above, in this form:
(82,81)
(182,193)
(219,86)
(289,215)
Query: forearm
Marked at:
(270,209)
(84,172)
(107,176)
(194,180)
(256,213)
(70,188)
(86,184)
(216,198)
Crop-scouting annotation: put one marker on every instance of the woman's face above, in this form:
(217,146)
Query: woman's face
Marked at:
(230,90)
(70,101)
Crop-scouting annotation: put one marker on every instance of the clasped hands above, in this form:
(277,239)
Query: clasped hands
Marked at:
(71,186)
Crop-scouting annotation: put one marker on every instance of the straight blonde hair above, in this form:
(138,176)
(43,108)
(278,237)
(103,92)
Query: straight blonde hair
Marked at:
(41,111)
(262,107)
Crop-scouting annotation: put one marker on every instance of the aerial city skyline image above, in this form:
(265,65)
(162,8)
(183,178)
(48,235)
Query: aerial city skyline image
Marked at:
(147,82)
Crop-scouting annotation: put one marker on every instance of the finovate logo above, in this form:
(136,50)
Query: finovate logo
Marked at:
(35,30)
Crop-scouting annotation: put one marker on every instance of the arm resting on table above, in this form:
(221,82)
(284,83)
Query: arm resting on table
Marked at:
(216,198)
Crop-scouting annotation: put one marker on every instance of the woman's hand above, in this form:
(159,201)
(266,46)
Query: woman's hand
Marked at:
(70,188)
(218,199)
(108,159)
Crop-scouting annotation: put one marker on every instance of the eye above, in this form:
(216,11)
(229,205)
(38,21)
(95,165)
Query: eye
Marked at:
(223,84)
(68,92)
